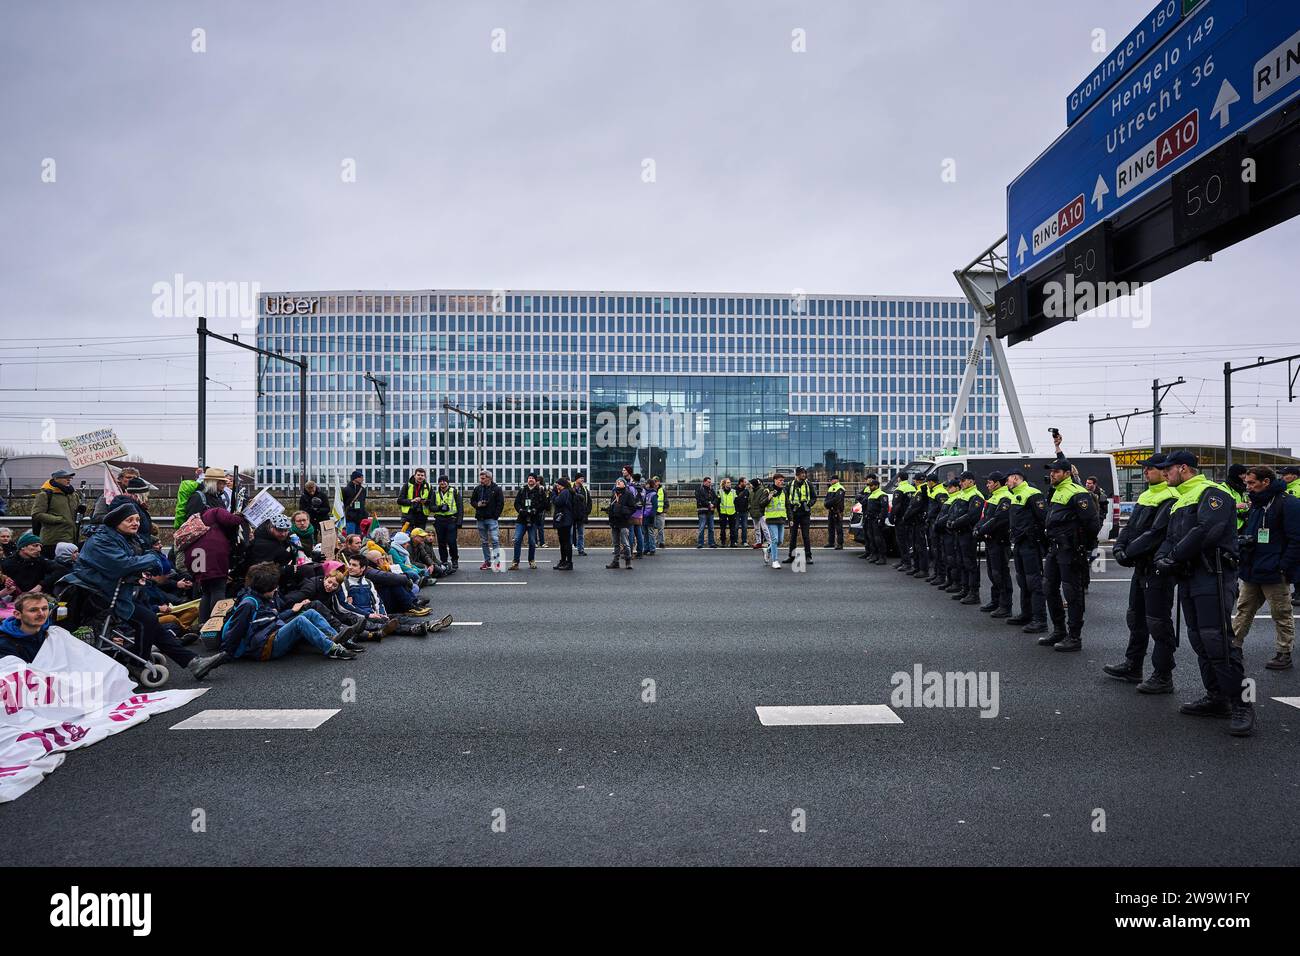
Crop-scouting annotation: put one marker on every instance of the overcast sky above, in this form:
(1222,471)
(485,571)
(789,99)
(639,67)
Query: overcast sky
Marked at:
(773,170)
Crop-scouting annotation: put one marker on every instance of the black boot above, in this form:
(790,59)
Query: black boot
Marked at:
(1018,620)
(1051,640)
(1034,627)
(972,597)
(991,606)
(1126,671)
(1207,706)
(1157,684)
(1072,643)
(1243,720)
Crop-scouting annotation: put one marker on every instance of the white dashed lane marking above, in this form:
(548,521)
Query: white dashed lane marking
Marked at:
(827,714)
(256,720)
(1289,701)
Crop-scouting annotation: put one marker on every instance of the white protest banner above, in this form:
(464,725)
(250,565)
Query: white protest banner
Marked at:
(70,696)
(92,448)
(263,506)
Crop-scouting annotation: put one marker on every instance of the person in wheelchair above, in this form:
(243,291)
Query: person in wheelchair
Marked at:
(110,555)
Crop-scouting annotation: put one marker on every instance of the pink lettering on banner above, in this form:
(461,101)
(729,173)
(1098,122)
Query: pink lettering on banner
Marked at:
(52,737)
(131,706)
(19,689)
(12,771)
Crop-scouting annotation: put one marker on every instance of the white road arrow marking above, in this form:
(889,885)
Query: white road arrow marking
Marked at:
(1101,191)
(1223,104)
(1022,249)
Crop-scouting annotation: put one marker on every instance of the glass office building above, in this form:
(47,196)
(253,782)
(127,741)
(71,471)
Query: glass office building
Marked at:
(676,384)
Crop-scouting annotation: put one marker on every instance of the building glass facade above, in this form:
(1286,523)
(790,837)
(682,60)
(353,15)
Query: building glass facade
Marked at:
(769,381)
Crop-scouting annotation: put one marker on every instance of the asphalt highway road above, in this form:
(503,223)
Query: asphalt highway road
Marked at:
(536,721)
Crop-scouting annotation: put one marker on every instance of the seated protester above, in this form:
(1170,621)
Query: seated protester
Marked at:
(65,556)
(271,544)
(396,590)
(304,531)
(364,595)
(8,547)
(424,554)
(27,567)
(258,629)
(351,544)
(402,560)
(23,634)
(110,556)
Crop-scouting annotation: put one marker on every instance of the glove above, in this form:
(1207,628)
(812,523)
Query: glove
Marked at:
(1165,564)
(1121,557)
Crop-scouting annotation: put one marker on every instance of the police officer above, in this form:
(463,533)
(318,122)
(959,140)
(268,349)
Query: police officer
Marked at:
(903,492)
(447,512)
(938,498)
(1071,528)
(1028,515)
(967,507)
(1200,550)
(800,498)
(834,502)
(947,544)
(874,509)
(994,529)
(915,525)
(1150,593)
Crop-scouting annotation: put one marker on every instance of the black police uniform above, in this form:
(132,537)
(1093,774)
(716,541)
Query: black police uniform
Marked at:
(1071,528)
(995,530)
(1150,593)
(966,512)
(1028,544)
(938,495)
(1200,550)
(915,524)
(898,512)
(873,524)
(951,581)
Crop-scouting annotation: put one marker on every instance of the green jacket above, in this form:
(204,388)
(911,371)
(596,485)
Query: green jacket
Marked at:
(54,512)
(187,488)
(758,498)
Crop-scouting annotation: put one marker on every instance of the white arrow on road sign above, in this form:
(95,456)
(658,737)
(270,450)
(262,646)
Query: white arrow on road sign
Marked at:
(1022,249)
(1222,105)
(1100,192)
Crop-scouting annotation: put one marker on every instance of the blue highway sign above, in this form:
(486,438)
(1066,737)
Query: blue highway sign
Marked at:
(1167,15)
(1227,65)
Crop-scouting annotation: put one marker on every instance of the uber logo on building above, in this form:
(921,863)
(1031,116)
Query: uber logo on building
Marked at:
(288,305)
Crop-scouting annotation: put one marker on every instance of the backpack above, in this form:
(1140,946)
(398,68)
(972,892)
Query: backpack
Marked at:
(189,532)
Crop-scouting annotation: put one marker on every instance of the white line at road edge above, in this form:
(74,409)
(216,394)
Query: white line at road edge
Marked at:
(490,584)
(827,714)
(466,623)
(1291,701)
(256,720)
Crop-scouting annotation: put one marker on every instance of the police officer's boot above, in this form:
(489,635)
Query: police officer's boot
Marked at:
(1243,720)
(1034,627)
(972,597)
(992,604)
(1052,639)
(1126,671)
(1157,684)
(1018,620)
(954,588)
(1072,642)
(1207,706)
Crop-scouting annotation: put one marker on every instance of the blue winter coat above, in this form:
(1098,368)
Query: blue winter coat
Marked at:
(106,557)
(14,642)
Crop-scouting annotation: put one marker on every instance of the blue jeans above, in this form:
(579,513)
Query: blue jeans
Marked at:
(706,520)
(525,531)
(638,538)
(488,535)
(775,532)
(742,526)
(308,626)
(580,537)
(648,534)
(351,527)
